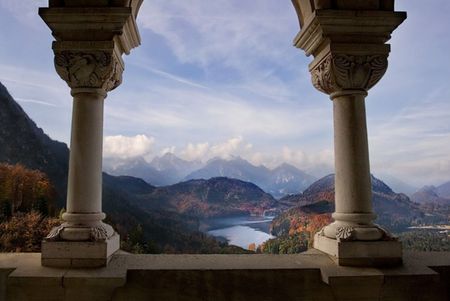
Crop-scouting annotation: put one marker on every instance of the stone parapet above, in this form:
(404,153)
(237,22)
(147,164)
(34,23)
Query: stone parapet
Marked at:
(308,276)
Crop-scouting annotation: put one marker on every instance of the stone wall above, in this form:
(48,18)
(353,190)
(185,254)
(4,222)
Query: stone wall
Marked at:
(308,276)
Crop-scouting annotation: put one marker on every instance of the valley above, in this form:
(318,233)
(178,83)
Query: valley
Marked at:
(171,205)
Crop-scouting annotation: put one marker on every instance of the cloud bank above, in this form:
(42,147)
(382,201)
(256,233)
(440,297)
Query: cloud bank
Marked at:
(127,147)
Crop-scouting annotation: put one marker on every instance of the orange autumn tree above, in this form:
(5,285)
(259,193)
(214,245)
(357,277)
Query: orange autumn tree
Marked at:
(309,224)
(252,247)
(23,190)
(27,202)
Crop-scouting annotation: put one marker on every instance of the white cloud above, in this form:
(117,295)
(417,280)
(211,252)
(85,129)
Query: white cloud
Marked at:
(235,146)
(127,147)
(146,65)
(315,162)
(228,148)
(233,33)
(35,101)
(166,150)
(192,112)
(196,151)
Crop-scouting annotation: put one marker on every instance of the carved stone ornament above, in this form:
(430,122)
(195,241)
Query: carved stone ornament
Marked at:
(337,72)
(344,233)
(386,234)
(97,233)
(55,233)
(94,69)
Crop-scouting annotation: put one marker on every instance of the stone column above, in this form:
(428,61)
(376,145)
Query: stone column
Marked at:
(348,41)
(84,195)
(91,69)
(90,41)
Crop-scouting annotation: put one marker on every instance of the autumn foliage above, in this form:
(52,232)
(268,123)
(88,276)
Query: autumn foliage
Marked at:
(24,232)
(309,224)
(26,208)
(296,232)
(24,190)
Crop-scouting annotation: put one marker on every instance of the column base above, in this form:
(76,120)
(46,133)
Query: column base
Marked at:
(360,253)
(79,254)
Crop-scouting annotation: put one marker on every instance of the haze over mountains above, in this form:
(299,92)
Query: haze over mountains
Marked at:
(169,169)
(431,194)
(161,171)
(22,141)
(170,216)
(125,198)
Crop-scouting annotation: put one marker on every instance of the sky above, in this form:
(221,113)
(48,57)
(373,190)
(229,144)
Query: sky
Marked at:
(221,78)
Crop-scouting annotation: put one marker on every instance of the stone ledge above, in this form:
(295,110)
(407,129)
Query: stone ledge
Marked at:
(309,276)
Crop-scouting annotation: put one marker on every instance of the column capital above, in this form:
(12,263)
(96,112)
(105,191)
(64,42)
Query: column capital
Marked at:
(88,65)
(90,40)
(338,72)
(348,41)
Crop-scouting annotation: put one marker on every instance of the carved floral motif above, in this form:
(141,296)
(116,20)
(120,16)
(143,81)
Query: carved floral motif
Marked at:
(344,233)
(337,72)
(97,233)
(94,69)
(322,77)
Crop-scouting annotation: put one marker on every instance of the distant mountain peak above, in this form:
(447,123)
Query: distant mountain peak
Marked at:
(286,165)
(167,160)
(433,194)
(284,179)
(444,190)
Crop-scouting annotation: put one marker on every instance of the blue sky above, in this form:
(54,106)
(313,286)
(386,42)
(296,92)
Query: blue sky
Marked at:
(221,78)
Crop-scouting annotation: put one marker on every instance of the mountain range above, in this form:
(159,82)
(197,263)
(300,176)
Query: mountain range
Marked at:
(215,197)
(169,169)
(125,199)
(439,195)
(170,216)
(394,210)
(161,171)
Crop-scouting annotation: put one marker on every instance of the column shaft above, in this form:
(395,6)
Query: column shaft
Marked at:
(85,166)
(352,179)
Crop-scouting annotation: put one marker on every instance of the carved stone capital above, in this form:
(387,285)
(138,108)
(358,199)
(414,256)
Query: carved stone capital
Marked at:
(338,72)
(97,69)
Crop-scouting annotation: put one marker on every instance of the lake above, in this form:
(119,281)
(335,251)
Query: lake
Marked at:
(241,231)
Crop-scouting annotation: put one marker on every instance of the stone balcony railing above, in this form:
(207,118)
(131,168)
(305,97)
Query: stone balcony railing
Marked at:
(308,276)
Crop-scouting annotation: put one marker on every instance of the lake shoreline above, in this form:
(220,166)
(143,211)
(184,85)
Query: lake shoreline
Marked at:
(240,231)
